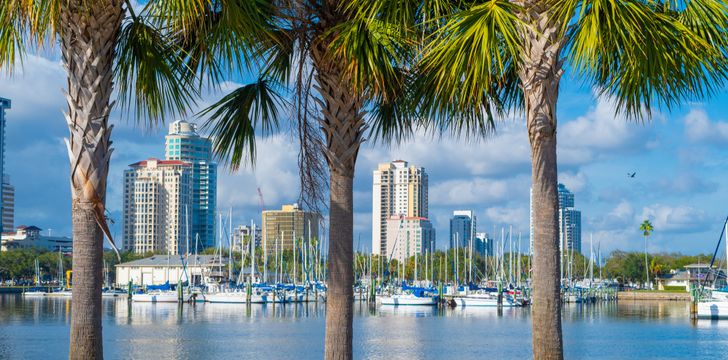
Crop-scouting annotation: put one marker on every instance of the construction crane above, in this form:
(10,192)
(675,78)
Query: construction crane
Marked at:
(261,203)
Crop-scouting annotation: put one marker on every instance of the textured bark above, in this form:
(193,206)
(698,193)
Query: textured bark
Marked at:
(342,122)
(88,37)
(540,75)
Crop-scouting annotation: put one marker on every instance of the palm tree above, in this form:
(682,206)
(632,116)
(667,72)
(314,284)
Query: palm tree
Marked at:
(335,66)
(646,228)
(500,56)
(101,42)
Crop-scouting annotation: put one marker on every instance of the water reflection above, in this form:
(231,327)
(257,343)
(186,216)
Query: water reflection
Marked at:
(296,331)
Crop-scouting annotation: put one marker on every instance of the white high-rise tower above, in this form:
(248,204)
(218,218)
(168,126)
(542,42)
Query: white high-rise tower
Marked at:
(399,190)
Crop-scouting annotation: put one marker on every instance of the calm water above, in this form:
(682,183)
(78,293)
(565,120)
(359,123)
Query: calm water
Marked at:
(38,329)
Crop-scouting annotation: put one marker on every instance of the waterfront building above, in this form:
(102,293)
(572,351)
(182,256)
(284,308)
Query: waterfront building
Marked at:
(4,105)
(692,277)
(8,204)
(27,237)
(157,200)
(569,221)
(160,269)
(183,143)
(463,225)
(280,227)
(407,236)
(243,232)
(399,189)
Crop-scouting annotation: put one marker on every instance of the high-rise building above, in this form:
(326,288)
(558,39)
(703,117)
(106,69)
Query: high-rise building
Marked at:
(4,105)
(183,143)
(8,204)
(243,232)
(399,190)
(463,226)
(569,221)
(407,236)
(483,244)
(157,202)
(280,227)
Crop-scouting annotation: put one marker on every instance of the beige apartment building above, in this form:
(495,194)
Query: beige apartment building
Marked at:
(407,236)
(399,189)
(280,227)
(157,193)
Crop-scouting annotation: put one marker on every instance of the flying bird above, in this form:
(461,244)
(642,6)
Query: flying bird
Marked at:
(632,174)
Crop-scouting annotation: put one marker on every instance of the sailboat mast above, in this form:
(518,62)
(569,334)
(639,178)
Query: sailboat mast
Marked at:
(252,251)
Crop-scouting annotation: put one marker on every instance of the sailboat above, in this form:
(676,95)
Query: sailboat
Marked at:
(716,307)
(35,291)
(62,290)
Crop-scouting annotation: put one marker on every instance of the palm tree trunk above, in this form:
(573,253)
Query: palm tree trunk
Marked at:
(540,75)
(343,125)
(89,31)
(647,267)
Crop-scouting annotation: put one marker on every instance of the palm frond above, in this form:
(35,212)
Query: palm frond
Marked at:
(219,36)
(641,56)
(370,52)
(24,24)
(234,120)
(152,77)
(468,71)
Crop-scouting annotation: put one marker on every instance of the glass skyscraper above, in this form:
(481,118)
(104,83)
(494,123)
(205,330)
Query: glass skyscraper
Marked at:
(4,105)
(462,228)
(569,221)
(185,144)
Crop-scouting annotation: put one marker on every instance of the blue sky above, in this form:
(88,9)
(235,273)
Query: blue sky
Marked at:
(680,158)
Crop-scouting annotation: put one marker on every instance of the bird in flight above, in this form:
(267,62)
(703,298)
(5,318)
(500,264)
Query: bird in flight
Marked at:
(632,174)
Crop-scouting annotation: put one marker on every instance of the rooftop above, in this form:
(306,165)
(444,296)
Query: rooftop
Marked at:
(159,162)
(175,260)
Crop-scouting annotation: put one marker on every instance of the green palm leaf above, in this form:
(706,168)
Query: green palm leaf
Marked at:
(641,57)
(234,119)
(152,77)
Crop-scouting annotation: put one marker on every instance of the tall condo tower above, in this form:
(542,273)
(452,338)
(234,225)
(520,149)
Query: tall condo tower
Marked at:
(156,196)
(183,143)
(4,105)
(399,190)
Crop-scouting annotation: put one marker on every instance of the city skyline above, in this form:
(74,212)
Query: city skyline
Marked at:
(678,159)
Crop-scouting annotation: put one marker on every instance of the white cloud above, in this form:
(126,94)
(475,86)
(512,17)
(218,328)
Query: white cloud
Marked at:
(699,128)
(469,192)
(576,182)
(600,130)
(676,219)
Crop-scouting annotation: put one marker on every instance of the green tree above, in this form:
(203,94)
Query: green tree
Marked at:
(102,43)
(500,55)
(335,66)
(646,228)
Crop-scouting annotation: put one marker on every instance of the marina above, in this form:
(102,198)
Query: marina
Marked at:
(606,330)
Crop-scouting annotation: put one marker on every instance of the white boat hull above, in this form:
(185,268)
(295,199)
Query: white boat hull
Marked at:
(719,295)
(408,300)
(477,301)
(165,297)
(234,298)
(713,310)
(34,294)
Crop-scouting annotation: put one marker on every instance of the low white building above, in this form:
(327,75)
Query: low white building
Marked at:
(27,237)
(159,269)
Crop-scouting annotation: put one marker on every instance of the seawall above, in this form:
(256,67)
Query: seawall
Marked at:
(653,295)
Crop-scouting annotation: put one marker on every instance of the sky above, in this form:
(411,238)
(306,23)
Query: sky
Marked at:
(680,159)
